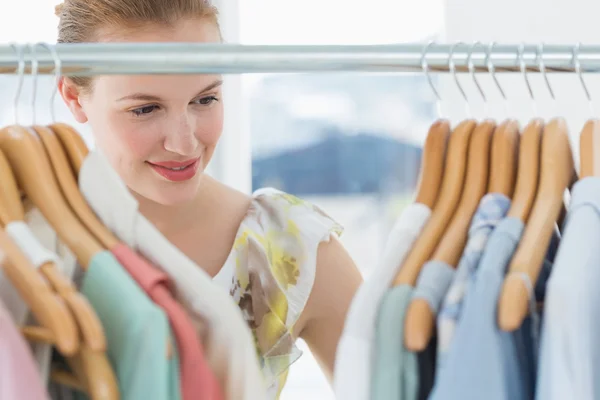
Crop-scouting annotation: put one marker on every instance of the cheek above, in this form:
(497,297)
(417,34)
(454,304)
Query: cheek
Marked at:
(210,129)
(118,135)
(139,143)
(132,140)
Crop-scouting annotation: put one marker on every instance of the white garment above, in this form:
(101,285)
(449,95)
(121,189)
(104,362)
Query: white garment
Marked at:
(569,362)
(224,277)
(38,255)
(355,349)
(230,350)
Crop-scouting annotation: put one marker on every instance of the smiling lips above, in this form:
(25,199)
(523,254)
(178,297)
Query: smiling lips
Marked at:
(176,171)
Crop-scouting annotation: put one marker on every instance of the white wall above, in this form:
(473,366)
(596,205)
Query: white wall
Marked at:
(531,21)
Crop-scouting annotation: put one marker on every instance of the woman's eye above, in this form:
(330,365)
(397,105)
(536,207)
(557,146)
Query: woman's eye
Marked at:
(206,101)
(143,110)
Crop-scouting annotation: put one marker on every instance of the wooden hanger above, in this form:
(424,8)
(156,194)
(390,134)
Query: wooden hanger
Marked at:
(454,174)
(420,319)
(33,171)
(70,190)
(528,172)
(557,171)
(589,143)
(72,143)
(55,320)
(56,323)
(92,372)
(432,163)
(83,313)
(504,158)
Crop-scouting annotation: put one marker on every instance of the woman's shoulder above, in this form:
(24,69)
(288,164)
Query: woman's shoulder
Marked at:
(274,257)
(281,234)
(274,210)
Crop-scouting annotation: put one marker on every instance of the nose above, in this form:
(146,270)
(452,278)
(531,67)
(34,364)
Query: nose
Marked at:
(181,138)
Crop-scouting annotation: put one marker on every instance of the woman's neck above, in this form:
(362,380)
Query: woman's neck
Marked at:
(182,216)
(205,229)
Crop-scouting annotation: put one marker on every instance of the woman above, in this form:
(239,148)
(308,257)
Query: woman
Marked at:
(278,255)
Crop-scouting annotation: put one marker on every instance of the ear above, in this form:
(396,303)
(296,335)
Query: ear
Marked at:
(70,94)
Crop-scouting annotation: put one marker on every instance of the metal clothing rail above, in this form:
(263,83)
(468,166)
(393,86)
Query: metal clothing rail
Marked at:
(185,58)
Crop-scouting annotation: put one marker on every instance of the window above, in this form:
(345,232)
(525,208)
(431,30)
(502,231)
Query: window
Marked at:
(349,142)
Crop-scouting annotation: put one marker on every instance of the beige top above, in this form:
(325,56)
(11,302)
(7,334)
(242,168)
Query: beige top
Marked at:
(270,273)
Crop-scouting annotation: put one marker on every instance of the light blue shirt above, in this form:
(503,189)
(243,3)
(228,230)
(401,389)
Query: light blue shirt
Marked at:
(569,364)
(484,362)
(137,331)
(491,210)
(395,372)
(432,285)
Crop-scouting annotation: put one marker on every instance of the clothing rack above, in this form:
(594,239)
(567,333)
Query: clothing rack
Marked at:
(184,58)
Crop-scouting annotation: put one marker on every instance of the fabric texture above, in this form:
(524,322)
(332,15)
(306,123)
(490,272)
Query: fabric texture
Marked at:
(228,343)
(38,255)
(484,361)
(47,236)
(491,210)
(274,259)
(355,352)
(569,355)
(198,382)
(137,331)
(395,369)
(19,375)
(432,284)
(427,368)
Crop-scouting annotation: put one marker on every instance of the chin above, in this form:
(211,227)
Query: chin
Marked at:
(171,194)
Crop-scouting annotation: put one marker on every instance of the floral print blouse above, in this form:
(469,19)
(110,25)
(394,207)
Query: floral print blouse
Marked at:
(273,265)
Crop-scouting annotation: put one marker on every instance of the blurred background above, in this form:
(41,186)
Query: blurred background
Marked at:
(348,142)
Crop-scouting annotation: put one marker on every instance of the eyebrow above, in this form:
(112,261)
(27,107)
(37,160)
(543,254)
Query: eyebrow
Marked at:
(149,97)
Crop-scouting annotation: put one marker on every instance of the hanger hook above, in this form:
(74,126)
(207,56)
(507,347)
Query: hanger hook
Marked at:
(21,71)
(471,67)
(452,67)
(492,70)
(57,74)
(523,68)
(543,69)
(579,73)
(34,75)
(425,67)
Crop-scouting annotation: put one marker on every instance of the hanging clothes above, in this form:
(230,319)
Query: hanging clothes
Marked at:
(484,361)
(395,371)
(356,352)
(433,283)
(137,332)
(427,362)
(230,347)
(19,375)
(38,255)
(492,209)
(570,356)
(197,379)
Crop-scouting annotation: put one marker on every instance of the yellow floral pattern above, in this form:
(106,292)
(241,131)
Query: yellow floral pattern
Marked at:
(274,258)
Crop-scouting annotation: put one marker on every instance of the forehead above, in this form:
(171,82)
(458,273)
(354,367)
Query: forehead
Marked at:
(164,86)
(194,30)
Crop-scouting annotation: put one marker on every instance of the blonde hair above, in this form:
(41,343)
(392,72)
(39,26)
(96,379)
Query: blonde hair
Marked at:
(81,20)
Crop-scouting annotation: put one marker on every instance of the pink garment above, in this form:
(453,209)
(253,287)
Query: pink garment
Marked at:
(198,382)
(19,375)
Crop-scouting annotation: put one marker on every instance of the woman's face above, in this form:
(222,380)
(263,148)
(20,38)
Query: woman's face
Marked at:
(159,132)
